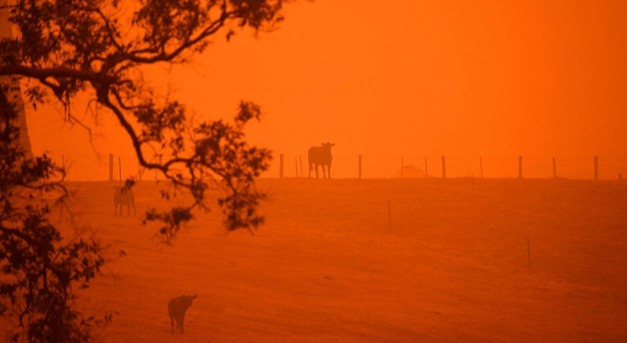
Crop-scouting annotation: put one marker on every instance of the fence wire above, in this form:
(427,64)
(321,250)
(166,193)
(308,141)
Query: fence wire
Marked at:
(108,167)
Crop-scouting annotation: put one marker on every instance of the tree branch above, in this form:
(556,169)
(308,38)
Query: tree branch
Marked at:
(56,72)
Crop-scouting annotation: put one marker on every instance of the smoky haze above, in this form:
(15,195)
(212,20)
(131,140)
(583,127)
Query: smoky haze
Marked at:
(443,171)
(452,78)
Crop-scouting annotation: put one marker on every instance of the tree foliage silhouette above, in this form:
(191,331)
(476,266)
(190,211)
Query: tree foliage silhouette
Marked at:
(40,270)
(96,47)
(99,47)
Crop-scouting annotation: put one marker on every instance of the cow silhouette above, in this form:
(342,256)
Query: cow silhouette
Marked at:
(177,308)
(124,196)
(320,156)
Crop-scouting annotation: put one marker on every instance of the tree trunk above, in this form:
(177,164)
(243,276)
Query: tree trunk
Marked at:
(13,91)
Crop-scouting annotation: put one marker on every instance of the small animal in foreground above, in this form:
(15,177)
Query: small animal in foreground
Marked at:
(124,196)
(177,308)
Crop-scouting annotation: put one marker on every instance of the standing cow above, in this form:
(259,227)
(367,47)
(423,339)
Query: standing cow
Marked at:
(320,155)
(124,196)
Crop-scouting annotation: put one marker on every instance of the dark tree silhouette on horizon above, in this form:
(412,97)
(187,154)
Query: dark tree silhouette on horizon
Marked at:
(98,48)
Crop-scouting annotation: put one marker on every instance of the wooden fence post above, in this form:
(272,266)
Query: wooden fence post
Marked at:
(390,215)
(110,167)
(359,168)
(596,167)
(529,251)
(296,165)
(520,174)
(281,166)
(554,169)
(481,166)
(443,167)
(426,169)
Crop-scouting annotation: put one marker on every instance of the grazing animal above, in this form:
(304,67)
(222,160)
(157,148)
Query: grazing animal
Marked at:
(124,196)
(320,155)
(177,308)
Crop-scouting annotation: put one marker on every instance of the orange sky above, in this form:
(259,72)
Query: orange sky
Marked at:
(474,78)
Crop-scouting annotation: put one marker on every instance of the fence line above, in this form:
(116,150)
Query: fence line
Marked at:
(451,166)
(93,167)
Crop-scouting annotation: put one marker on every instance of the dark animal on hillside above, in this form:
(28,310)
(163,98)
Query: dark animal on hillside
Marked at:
(124,196)
(177,308)
(320,156)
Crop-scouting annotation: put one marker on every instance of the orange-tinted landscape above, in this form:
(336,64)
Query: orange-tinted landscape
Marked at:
(523,239)
(423,260)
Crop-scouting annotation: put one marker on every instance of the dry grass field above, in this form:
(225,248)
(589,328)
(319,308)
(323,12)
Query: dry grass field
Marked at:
(423,260)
